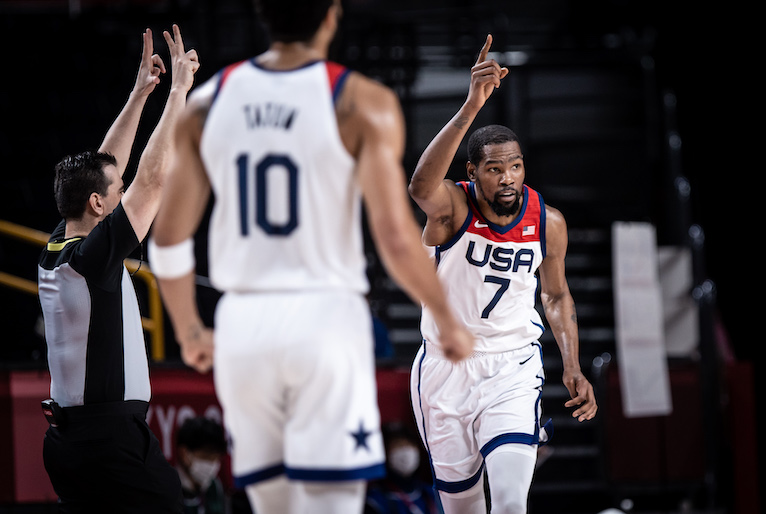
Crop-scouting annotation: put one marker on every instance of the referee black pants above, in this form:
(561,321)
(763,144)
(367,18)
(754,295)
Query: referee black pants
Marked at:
(108,460)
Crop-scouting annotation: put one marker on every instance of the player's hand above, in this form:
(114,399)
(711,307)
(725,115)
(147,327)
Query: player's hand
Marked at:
(583,397)
(457,343)
(184,64)
(197,349)
(485,77)
(150,68)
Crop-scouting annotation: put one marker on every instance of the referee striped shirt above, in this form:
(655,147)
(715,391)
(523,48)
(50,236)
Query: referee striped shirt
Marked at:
(96,349)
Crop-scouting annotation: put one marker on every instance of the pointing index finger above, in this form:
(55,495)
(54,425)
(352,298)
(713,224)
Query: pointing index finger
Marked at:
(484,49)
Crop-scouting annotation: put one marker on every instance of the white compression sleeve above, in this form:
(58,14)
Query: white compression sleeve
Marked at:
(510,471)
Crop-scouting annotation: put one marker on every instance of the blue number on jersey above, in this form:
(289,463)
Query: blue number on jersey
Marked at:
(503,283)
(283,162)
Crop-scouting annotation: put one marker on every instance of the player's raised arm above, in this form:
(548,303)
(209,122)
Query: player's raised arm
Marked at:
(142,199)
(436,196)
(121,135)
(393,226)
(560,312)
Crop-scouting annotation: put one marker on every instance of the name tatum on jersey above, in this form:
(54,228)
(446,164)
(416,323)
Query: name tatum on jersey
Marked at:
(269,115)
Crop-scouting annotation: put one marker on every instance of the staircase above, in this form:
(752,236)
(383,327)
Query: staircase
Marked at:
(572,478)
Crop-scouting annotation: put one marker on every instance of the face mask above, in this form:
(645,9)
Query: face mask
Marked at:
(404,460)
(203,471)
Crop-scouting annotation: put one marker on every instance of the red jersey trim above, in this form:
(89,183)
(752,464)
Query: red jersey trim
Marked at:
(223,75)
(528,226)
(336,74)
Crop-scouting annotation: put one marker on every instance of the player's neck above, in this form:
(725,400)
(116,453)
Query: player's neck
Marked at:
(288,56)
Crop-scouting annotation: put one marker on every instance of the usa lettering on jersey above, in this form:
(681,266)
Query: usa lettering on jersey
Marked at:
(490,273)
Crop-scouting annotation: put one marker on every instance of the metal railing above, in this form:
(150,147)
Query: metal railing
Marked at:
(153,324)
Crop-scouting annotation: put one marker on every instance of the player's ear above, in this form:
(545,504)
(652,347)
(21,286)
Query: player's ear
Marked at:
(470,171)
(338,9)
(334,13)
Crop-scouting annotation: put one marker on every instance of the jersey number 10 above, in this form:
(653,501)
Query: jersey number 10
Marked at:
(270,163)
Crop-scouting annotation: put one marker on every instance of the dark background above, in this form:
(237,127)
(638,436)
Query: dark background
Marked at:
(68,68)
(67,74)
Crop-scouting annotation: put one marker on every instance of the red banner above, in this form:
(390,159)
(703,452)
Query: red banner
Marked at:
(177,394)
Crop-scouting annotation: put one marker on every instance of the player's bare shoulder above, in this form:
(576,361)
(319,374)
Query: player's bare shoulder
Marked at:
(365,96)
(554,216)
(556,231)
(367,109)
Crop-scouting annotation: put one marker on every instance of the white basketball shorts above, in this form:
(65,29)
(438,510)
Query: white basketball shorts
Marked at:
(295,376)
(467,409)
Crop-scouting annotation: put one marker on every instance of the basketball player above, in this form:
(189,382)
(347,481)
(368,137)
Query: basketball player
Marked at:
(490,236)
(289,144)
(99,452)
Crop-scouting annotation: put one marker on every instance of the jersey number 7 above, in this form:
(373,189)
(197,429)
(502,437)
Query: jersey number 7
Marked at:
(503,283)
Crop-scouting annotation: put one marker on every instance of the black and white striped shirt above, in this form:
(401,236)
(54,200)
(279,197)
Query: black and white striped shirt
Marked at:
(96,349)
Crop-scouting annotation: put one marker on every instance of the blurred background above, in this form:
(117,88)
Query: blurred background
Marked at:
(630,113)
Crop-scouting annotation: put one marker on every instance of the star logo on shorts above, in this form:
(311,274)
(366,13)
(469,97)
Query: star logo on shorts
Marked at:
(360,437)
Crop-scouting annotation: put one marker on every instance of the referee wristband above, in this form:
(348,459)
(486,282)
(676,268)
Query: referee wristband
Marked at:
(171,261)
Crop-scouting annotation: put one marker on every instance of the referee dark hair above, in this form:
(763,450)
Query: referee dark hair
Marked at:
(99,452)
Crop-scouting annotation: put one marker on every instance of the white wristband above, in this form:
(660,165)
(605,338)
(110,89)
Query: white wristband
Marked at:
(171,261)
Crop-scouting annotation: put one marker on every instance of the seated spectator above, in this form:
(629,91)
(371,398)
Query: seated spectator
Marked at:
(402,491)
(200,446)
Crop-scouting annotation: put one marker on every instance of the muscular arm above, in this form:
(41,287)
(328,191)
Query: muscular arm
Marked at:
(378,119)
(441,200)
(121,135)
(183,204)
(560,312)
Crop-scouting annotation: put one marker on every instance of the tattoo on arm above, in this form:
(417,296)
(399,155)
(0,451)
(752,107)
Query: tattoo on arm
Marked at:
(461,122)
(195,333)
(574,314)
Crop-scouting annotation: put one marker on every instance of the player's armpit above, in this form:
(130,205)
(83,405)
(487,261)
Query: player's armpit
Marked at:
(443,222)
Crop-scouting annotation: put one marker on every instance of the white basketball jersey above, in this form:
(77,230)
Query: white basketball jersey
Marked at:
(287,212)
(489,272)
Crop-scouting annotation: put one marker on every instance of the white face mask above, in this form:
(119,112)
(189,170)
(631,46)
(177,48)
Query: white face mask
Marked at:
(404,460)
(204,471)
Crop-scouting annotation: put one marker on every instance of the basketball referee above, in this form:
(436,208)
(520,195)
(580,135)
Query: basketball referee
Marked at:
(99,452)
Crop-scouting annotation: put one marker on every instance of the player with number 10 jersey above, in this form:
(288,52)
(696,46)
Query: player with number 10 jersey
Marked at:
(290,145)
(292,209)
